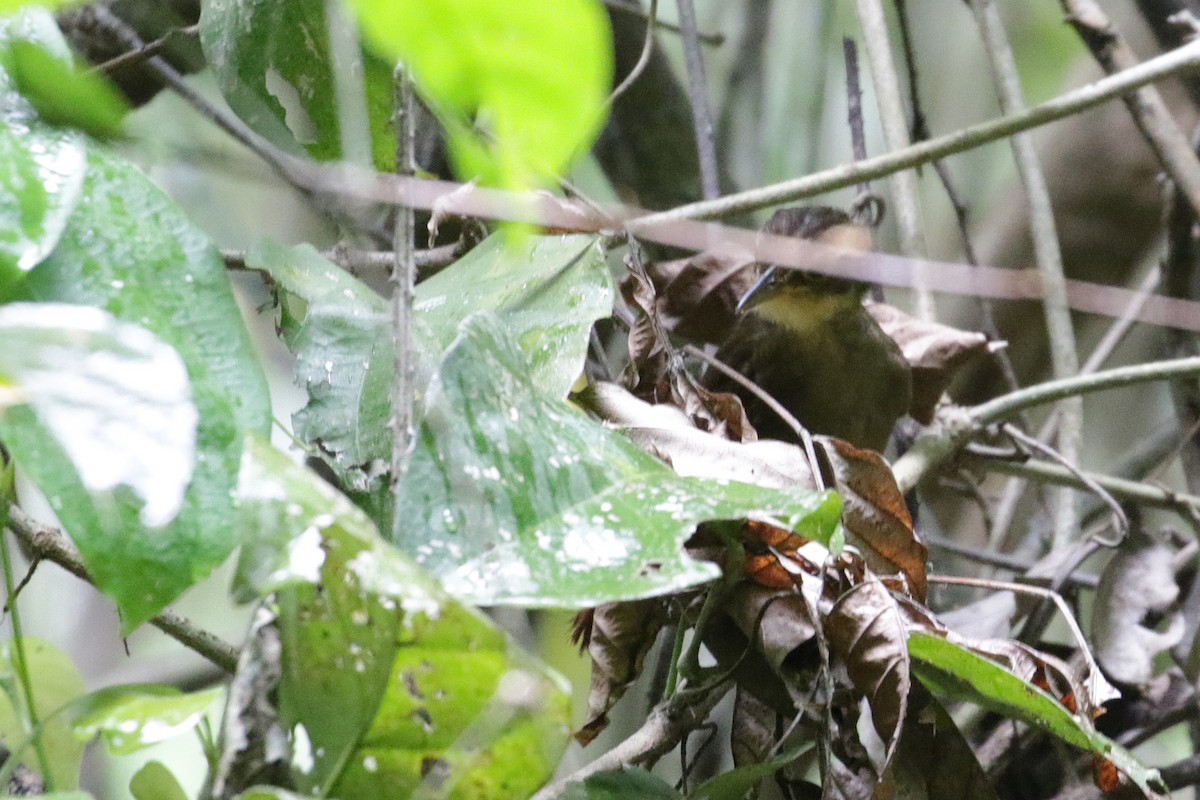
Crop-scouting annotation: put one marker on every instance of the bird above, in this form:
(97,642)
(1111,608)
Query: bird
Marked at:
(809,342)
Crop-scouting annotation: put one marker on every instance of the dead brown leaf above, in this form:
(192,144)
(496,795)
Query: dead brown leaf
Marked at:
(666,432)
(934,352)
(621,636)
(868,642)
(874,515)
(698,296)
(753,734)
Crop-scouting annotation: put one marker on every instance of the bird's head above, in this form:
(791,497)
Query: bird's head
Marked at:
(798,299)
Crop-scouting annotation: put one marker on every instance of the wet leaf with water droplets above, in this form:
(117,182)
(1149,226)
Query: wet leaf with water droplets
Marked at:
(550,508)
(43,167)
(129,718)
(129,250)
(384,674)
(274,62)
(109,397)
(548,290)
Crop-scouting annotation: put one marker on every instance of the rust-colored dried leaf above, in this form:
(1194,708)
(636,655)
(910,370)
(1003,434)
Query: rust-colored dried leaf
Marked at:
(934,352)
(621,636)
(874,515)
(1105,774)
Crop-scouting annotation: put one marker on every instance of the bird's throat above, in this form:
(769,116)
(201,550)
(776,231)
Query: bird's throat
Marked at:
(803,311)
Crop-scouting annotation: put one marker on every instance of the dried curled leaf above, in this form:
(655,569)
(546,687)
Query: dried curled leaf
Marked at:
(666,432)
(874,515)
(620,637)
(697,297)
(867,641)
(934,352)
(1138,582)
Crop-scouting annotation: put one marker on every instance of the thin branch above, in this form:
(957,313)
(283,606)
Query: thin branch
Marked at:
(711,39)
(144,52)
(1182,60)
(1051,391)
(1001,560)
(1014,489)
(404,278)
(667,724)
(49,544)
(906,200)
(1064,357)
(1134,491)
(643,59)
(357,262)
(1150,113)
(954,426)
(770,402)
(698,97)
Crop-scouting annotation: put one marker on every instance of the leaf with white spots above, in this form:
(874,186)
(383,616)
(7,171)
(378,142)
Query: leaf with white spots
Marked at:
(384,676)
(513,497)
(129,718)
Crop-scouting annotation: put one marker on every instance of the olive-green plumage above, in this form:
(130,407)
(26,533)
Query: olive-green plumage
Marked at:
(809,342)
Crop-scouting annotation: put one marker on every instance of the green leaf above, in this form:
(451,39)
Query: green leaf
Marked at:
(43,167)
(274,62)
(155,782)
(65,95)
(133,252)
(514,497)
(733,784)
(548,290)
(533,83)
(130,718)
(385,677)
(112,397)
(56,683)
(621,784)
(953,670)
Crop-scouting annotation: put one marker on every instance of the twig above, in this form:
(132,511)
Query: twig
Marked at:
(894,122)
(669,722)
(770,402)
(698,95)
(1122,488)
(1006,405)
(1001,560)
(1064,358)
(1013,490)
(144,52)
(404,277)
(643,58)
(953,427)
(854,115)
(711,39)
(1150,113)
(1181,60)
(1094,672)
(920,132)
(357,262)
(50,544)
(1120,521)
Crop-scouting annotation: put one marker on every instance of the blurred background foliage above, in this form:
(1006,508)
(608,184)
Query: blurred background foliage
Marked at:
(776,82)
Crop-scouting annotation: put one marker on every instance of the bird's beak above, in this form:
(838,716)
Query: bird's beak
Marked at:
(749,299)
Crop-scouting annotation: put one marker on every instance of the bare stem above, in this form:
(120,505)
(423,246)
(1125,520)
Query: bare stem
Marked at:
(1181,60)
(49,544)
(404,277)
(698,97)
(1064,358)
(893,120)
